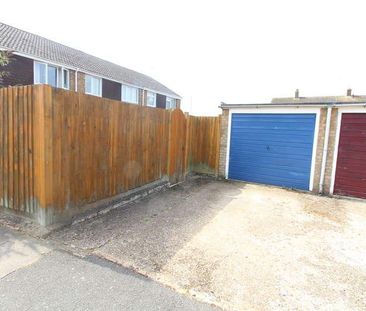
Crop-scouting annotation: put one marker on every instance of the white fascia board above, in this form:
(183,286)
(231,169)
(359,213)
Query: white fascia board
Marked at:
(279,109)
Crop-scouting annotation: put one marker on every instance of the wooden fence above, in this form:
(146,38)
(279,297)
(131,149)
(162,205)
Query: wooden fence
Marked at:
(61,150)
(203,144)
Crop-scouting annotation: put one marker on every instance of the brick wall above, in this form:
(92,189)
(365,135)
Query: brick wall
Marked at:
(144,98)
(178,101)
(330,150)
(319,151)
(72,80)
(81,82)
(141,97)
(223,141)
(331,146)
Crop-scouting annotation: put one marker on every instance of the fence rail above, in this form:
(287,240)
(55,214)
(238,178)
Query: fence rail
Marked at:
(61,150)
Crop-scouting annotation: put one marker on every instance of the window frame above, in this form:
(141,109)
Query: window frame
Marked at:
(60,71)
(147,99)
(168,98)
(35,74)
(100,85)
(124,86)
(63,70)
(57,75)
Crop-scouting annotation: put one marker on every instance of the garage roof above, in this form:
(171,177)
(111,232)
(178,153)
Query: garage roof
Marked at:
(320,100)
(303,101)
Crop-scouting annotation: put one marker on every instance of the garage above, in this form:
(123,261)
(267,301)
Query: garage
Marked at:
(272,148)
(350,177)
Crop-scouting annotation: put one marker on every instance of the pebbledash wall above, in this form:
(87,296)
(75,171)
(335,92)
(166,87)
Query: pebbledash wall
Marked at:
(331,150)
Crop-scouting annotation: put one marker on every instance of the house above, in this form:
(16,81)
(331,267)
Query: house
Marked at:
(37,60)
(308,143)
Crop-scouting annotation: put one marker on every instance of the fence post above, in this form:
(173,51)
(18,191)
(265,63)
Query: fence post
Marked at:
(177,146)
(218,131)
(42,140)
(187,144)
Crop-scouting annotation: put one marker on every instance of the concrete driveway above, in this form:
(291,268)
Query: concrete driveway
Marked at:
(239,246)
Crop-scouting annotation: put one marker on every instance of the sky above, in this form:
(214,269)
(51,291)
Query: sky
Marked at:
(215,51)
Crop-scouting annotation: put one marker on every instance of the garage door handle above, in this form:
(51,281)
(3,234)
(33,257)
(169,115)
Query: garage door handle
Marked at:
(268,148)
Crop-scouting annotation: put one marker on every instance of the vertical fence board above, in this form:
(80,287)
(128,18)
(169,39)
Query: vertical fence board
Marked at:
(2,147)
(177,140)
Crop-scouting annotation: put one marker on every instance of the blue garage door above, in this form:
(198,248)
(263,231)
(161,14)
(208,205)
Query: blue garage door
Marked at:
(273,149)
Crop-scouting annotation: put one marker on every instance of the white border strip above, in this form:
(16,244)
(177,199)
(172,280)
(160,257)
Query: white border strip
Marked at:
(341,111)
(228,143)
(277,110)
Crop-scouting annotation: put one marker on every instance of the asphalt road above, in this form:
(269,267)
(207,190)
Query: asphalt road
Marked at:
(57,280)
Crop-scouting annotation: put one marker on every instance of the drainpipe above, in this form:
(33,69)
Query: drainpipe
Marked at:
(325,149)
(76,80)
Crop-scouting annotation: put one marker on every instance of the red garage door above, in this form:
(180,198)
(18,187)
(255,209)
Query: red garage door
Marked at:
(350,176)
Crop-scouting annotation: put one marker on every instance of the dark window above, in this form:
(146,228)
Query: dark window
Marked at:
(160,101)
(111,89)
